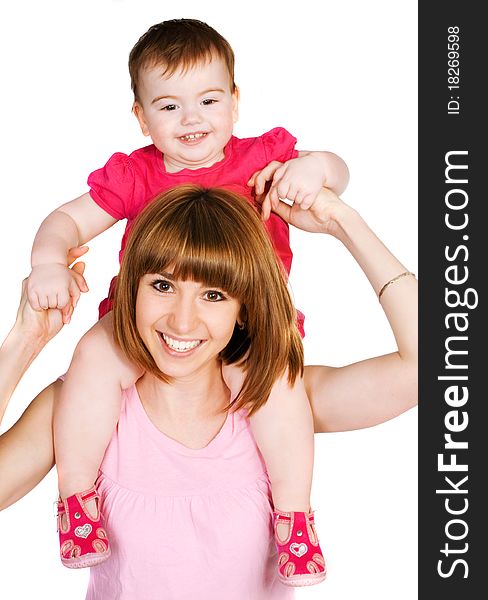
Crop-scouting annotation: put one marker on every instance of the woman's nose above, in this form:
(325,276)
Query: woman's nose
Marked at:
(183,317)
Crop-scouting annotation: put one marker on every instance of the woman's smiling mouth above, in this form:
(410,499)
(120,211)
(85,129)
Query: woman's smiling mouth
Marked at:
(180,346)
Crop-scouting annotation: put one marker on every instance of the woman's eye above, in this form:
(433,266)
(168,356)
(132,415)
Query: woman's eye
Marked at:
(169,107)
(214,296)
(208,101)
(161,285)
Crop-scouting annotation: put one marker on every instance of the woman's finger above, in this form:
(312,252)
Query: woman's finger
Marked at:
(76,252)
(79,279)
(79,267)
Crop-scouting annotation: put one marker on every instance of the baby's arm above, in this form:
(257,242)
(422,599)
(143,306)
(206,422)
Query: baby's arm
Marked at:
(51,284)
(300,179)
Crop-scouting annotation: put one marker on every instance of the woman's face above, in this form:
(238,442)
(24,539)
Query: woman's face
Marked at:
(183,324)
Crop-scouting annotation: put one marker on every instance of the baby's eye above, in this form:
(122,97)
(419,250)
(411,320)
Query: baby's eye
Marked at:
(208,101)
(169,107)
(214,296)
(161,285)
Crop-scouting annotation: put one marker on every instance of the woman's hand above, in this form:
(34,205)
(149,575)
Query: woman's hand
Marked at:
(323,216)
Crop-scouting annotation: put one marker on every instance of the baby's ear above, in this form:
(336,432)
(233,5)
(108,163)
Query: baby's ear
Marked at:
(139,113)
(235,107)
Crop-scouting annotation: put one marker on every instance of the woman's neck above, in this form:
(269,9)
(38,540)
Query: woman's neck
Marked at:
(199,396)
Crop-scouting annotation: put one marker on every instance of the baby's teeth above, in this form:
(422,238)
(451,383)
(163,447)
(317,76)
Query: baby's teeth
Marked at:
(193,136)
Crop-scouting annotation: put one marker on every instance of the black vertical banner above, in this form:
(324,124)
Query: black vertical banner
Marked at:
(453,326)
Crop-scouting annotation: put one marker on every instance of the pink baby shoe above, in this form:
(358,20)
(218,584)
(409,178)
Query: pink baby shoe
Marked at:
(300,559)
(84,543)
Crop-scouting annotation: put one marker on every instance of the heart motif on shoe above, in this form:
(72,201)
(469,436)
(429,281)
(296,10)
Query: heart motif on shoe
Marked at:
(83,531)
(298,549)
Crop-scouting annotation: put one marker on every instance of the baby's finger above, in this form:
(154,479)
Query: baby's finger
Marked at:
(261,178)
(307,201)
(33,300)
(274,197)
(52,301)
(284,190)
(266,175)
(293,194)
(252,178)
(266,208)
(43,301)
(63,299)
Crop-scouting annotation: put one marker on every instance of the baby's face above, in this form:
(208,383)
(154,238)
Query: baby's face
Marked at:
(189,116)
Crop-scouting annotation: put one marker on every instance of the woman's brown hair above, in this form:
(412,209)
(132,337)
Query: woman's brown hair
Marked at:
(215,237)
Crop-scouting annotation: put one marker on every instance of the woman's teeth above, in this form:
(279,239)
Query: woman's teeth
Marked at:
(178,345)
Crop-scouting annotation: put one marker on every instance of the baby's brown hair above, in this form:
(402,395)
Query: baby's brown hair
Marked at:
(179,43)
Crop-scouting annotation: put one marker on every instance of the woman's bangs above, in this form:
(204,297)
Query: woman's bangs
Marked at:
(190,253)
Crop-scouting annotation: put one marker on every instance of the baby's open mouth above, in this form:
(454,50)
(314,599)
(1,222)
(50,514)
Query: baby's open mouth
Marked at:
(192,137)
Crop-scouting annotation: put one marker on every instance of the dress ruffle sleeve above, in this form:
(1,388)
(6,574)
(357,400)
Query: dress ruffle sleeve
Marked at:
(112,186)
(279,145)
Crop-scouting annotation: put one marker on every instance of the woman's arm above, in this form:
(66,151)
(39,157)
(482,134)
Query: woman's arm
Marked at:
(372,391)
(26,450)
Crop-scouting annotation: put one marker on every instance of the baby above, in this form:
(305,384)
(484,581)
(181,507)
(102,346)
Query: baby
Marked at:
(186,101)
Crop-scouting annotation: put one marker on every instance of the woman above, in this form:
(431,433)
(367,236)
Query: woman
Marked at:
(192,410)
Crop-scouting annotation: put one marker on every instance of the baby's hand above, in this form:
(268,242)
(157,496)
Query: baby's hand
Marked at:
(299,180)
(54,285)
(41,326)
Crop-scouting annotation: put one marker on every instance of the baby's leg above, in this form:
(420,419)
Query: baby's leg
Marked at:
(88,409)
(284,433)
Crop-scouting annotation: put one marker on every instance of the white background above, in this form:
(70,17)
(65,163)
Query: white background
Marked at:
(339,74)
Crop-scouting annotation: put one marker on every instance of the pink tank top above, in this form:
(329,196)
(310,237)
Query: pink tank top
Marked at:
(185,523)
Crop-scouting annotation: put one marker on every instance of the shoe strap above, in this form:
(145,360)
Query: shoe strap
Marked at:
(300,526)
(75,503)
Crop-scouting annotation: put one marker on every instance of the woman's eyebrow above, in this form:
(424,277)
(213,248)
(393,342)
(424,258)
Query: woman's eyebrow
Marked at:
(166,275)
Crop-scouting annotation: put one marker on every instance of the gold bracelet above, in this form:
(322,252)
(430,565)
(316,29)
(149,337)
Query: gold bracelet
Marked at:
(388,283)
